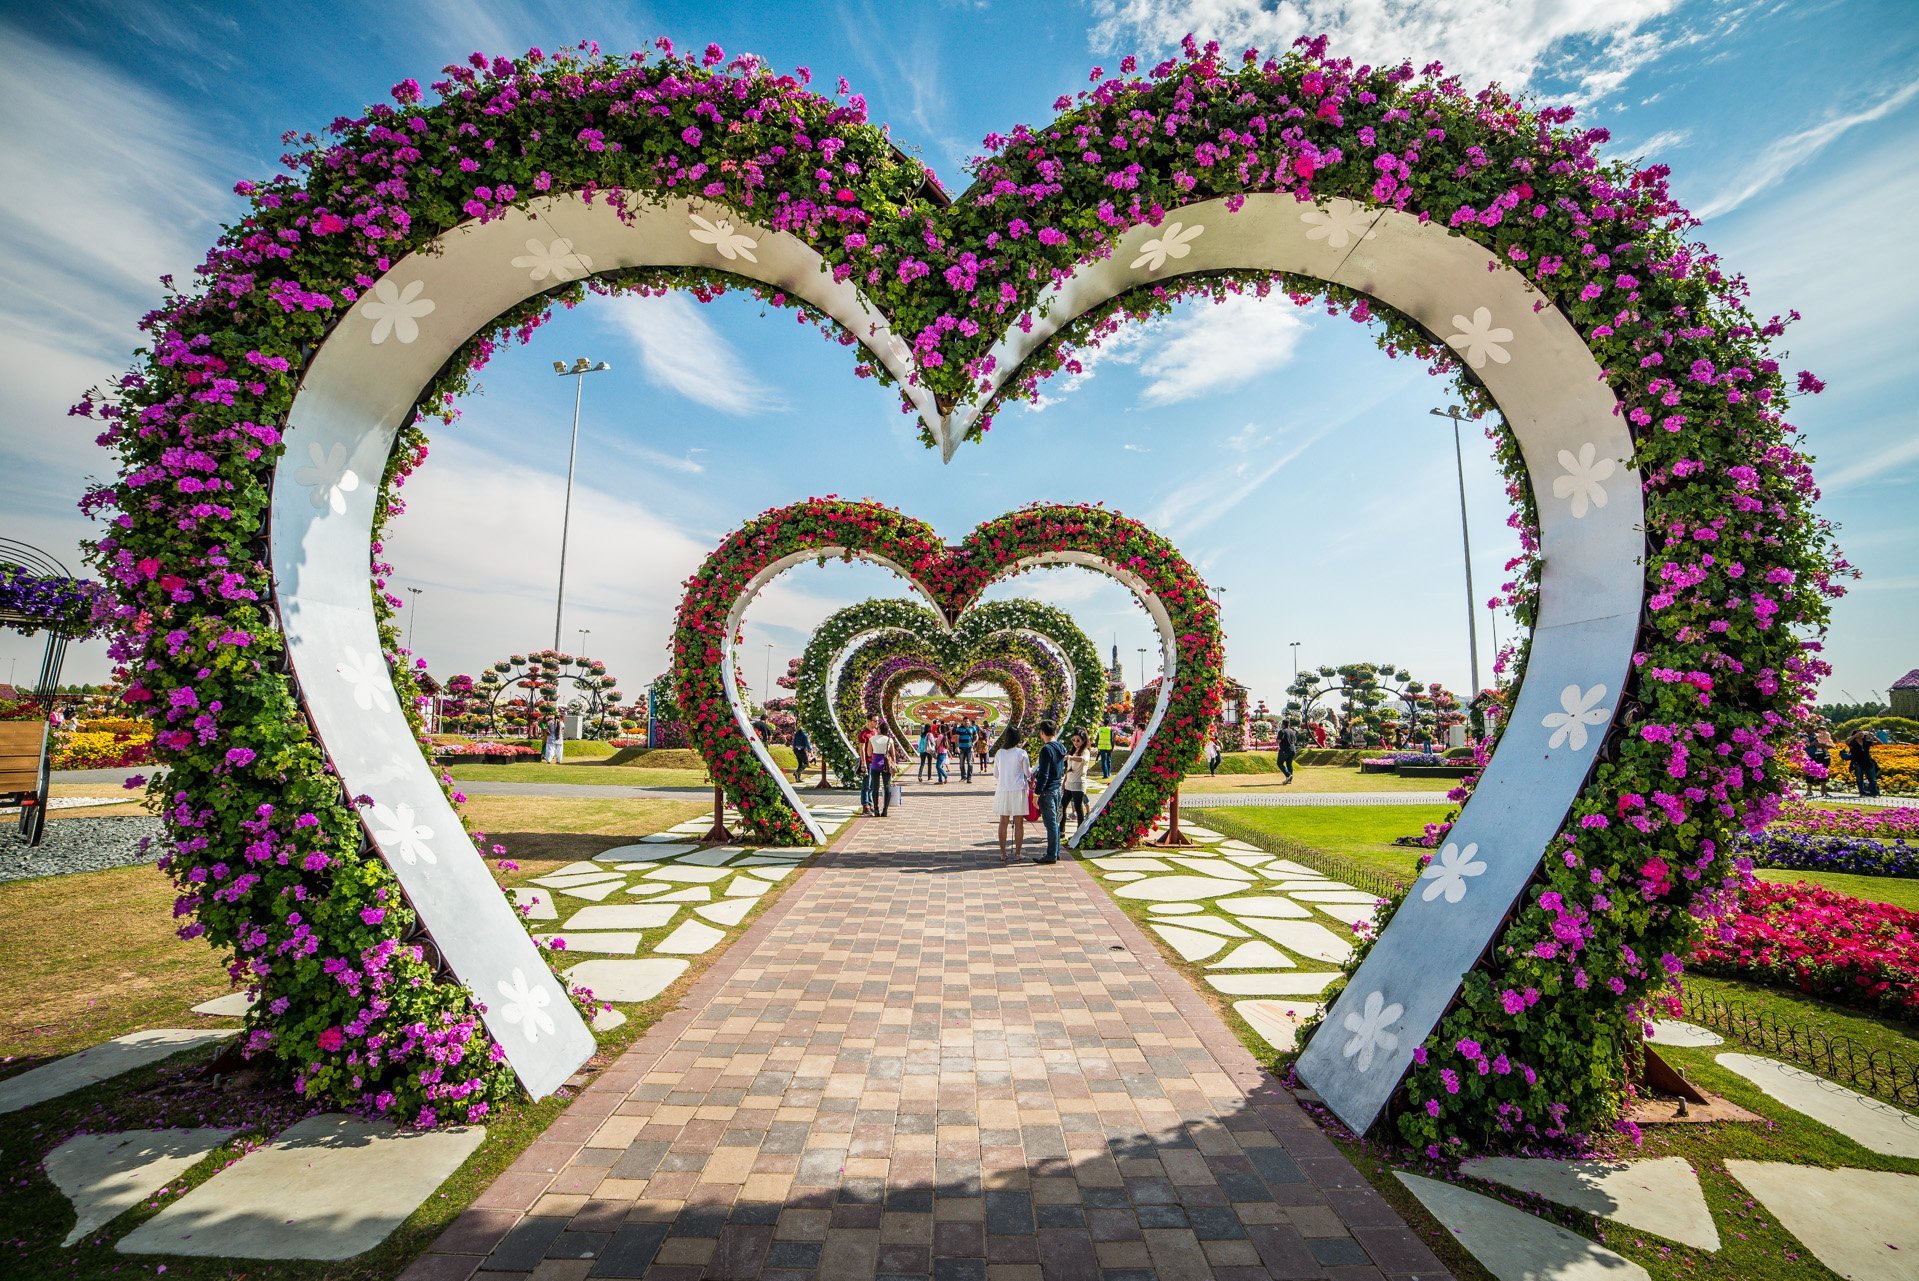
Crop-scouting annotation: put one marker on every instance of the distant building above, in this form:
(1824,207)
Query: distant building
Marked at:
(1905,695)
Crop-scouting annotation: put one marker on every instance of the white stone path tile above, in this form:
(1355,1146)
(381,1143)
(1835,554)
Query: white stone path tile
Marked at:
(105,1175)
(1253,956)
(541,903)
(233,1005)
(1170,889)
(1175,909)
(727,911)
(100,1063)
(640,980)
(1270,905)
(1863,1224)
(329,1187)
(622,916)
(648,887)
(1218,867)
(1213,924)
(698,894)
(613,942)
(1305,938)
(1673,1032)
(1513,1245)
(579,869)
(1298,983)
(1348,914)
(1277,1022)
(693,875)
(747,887)
(690,939)
(1880,1127)
(1192,945)
(592,893)
(1660,1195)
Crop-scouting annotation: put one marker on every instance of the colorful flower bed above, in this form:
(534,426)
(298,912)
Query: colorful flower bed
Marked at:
(503,750)
(1821,942)
(108,744)
(1900,822)
(1737,569)
(1806,851)
(954,578)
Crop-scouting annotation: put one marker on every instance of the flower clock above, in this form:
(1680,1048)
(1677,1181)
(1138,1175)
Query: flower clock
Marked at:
(717,596)
(1675,585)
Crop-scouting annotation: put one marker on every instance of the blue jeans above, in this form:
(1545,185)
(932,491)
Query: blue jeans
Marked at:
(966,762)
(1106,762)
(939,762)
(1049,816)
(866,789)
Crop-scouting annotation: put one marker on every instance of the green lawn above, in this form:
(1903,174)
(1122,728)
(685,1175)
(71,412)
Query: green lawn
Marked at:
(1363,833)
(584,772)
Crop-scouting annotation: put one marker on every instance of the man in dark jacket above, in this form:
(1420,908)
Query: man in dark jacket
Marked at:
(802,748)
(1048,772)
(1288,749)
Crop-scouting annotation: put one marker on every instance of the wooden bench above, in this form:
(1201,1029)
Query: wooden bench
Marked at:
(23,774)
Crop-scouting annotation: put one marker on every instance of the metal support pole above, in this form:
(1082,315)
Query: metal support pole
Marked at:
(717,834)
(1466,542)
(577,371)
(1173,837)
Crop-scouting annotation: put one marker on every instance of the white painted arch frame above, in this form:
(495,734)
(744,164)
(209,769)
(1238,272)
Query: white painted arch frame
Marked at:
(366,378)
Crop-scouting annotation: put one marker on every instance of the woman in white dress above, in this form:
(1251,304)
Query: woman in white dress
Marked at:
(1012,771)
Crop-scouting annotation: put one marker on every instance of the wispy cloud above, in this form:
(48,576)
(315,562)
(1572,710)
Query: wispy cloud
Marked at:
(1664,141)
(1199,502)
(1597,45)
(906,61)
(689,462)
(1207,348)
(681,351)
(1879,464)
(1794,150)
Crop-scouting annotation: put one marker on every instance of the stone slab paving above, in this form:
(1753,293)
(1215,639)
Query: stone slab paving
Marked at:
(920,1063)
(1515,1246)
(1673,1032)
(100,1063)
(1863,1224)
(1870,1123)
(328,1187)
(105,1175)
(1660,1195)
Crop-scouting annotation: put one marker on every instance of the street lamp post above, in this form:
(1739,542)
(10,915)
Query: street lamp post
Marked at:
(767,685)
(577,371)
(1472,611)
(1142,665)
(583,633)
(413,617)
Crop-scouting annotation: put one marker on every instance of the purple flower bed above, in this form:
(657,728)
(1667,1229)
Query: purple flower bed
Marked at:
(1806,851)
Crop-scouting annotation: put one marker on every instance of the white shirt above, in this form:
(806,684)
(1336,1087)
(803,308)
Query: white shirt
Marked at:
(880,745)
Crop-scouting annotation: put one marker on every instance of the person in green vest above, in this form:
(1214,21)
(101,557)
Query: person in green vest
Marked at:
(1103,744)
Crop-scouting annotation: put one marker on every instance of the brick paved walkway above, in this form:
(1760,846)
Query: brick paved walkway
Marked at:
(923,1064)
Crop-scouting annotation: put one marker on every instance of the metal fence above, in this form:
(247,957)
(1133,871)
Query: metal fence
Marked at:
(1881,1073)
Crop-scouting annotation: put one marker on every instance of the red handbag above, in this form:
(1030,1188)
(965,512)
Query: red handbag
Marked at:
(1032,805)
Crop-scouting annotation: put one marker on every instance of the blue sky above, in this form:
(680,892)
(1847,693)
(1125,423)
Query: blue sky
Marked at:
(1294,464)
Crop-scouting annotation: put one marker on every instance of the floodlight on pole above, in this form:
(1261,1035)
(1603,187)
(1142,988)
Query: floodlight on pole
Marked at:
(1142,665)
(1455,413)
(413,617)
(577,371)
(584,632)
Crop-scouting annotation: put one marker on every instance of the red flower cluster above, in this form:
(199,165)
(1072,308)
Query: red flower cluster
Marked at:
(1822,942)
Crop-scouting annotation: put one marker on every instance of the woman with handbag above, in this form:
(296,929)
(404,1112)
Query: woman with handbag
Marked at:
(1013,799)
(879,766)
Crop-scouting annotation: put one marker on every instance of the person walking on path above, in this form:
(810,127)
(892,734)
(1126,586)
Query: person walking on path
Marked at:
(942,740)
(926,752)
(1288,749)
(553,751)
(863,745)
(879,767)
(964,738)
(1865,770)
(1212,754)
(802,748)
(1103,741)
(1048,773)
(1819,752)
(985,761)
(1011,772)
(1072,791)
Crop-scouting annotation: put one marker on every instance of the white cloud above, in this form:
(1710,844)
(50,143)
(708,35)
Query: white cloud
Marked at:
(1598,44)
(1199,502)
(1794,150)
(1213,347)
(681,351)
(1206,348)
(1877,465)
(1652,148)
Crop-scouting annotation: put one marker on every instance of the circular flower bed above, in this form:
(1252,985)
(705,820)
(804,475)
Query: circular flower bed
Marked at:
(271,859)
(749,557)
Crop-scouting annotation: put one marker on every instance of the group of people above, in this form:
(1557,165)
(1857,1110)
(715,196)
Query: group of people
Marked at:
(1042,786)
(1856,752)
(963,741)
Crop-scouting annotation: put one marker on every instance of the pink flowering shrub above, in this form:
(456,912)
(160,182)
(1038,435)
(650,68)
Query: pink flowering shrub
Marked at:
(269,856)
(1823,943)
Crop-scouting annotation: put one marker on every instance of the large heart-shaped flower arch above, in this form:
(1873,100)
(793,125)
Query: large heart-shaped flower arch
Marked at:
(951,579)
(878,670)
(1641,403)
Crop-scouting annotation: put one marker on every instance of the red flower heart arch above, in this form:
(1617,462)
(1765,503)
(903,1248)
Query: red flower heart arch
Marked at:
(951,578)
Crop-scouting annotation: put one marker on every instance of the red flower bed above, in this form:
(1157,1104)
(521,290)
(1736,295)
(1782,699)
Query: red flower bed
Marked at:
(1822,942)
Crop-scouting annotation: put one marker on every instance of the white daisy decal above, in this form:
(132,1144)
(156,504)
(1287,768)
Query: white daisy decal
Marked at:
(396,830)
(1578,709)
(396,311)
(1369,1028)
(1176,241)
(1449,871)
(1339,224)
(525,1006)
(731,244)
(1479,339)
(1584,484)
(371,681)
(327,477)
(556,260)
